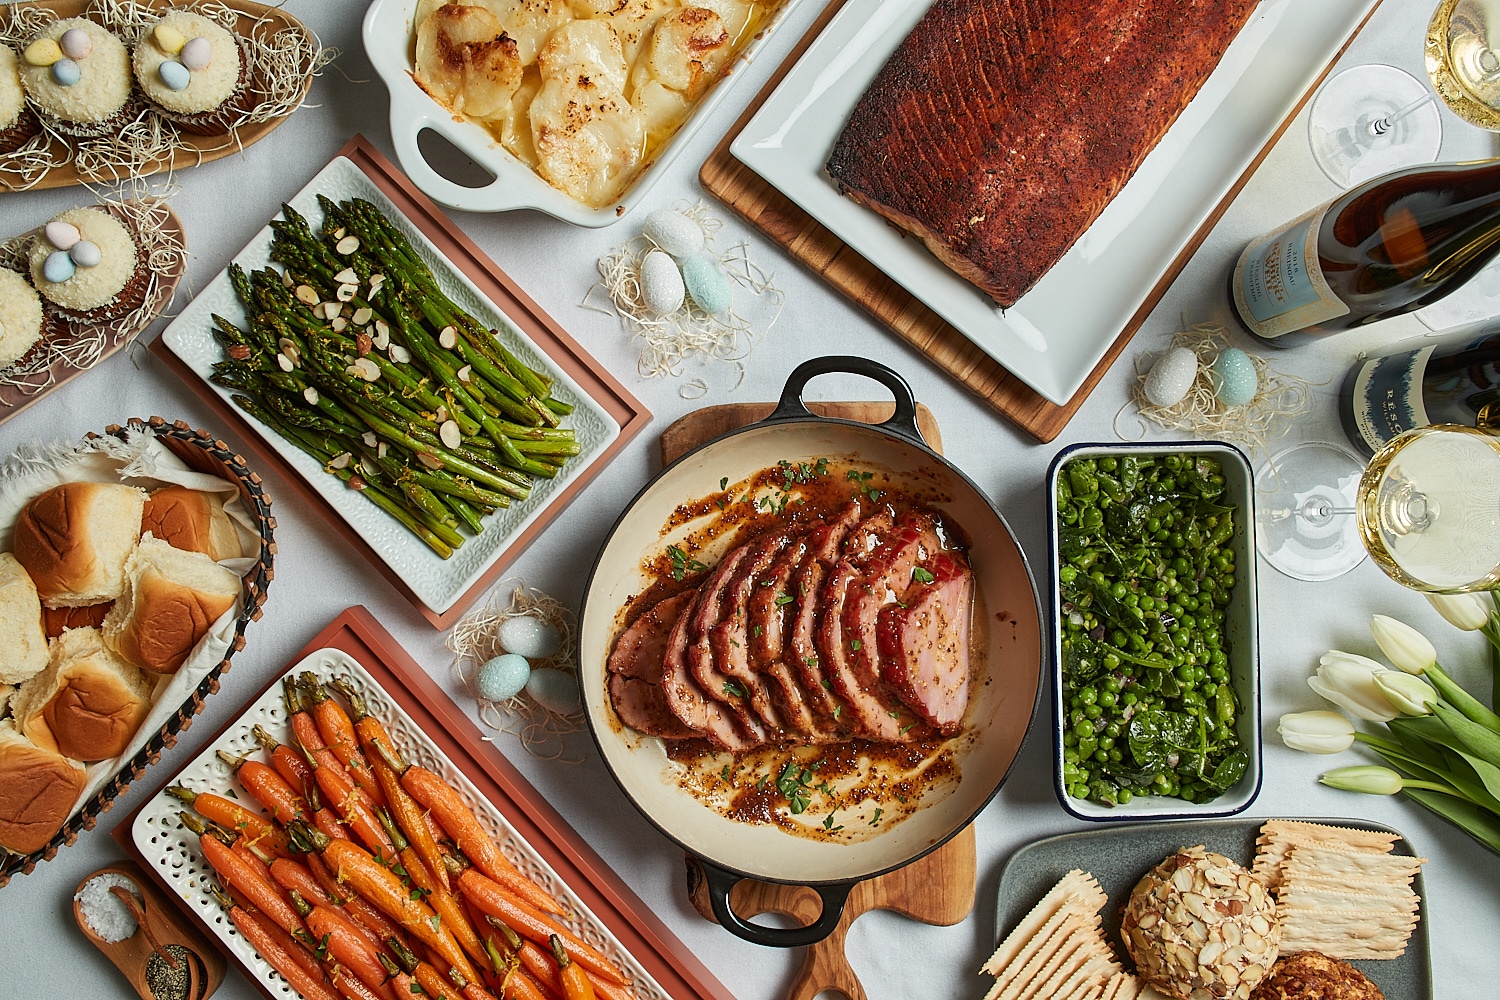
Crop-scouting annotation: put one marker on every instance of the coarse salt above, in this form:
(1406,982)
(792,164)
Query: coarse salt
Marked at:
(104,913)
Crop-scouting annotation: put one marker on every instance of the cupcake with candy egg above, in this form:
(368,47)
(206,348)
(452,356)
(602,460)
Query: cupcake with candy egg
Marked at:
(77,75)
(193,73)
(17,123)
(21,317)
(88,266)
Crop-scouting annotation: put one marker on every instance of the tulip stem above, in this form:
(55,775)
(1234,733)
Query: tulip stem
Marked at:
(1491,632)
(1432,786)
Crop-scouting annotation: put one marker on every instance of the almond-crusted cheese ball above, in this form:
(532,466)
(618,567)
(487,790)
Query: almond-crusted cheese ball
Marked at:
(191,69)
(1201,927)
(85,94)
(86,263)
(20,317)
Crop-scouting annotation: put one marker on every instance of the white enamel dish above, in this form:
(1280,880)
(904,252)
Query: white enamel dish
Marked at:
(1055,335)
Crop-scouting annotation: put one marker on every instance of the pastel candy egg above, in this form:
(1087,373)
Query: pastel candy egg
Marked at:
(555,690)
(706,284)
(65,73)
(503,677)
(174,74)
(196,54)
(1171,377)
(86,254)
(661,283)
(42,52)
(169,38)
(1234,380)
(75,43)
(62,234)
(676,234)
(58,267)
(531,637)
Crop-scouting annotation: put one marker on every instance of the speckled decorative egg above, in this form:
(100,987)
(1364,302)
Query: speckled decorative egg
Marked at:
(1171,377)
(196,54)
(1234,380)
(174,74)
(86,254)
(58,267)
(65,73)
(706,284)
(676,234)
(661,283)
(503,677)
(75,43)
(534,638)
(555,690)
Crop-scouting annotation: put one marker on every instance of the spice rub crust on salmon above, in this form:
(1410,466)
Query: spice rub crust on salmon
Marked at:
(1000,129)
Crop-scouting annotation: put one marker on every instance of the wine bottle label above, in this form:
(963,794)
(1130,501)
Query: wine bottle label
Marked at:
(1278,285)
(1388,396)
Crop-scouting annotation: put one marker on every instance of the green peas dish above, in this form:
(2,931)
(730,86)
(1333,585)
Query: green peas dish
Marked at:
(1146,572)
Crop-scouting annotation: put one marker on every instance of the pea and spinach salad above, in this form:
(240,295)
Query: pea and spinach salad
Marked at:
(1146,572)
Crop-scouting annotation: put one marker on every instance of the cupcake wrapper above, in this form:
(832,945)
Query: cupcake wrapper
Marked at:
(20,132)
(94,130)
(132,296)
(54,328)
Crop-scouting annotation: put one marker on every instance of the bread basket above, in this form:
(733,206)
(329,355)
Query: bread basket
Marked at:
(202,453)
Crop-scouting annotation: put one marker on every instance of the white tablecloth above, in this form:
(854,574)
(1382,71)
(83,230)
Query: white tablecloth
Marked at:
(42,953)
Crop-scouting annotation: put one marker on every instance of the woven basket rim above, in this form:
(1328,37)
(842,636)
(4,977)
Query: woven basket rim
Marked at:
(255,582)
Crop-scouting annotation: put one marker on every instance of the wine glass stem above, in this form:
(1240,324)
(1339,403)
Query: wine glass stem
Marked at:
(1380,126)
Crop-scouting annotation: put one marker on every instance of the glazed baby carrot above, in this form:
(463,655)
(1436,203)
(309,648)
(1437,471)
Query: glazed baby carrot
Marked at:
(532,923)
(404,985)
(237,873)
(352,987)
(350,802)
(364,914)
(230,814)
(289,944)
(447,905)
(346,943)
(337,730)
(267,787)
(305,730)
(544,969)
(254,932)
(575,982)
(287,762)
(380,886)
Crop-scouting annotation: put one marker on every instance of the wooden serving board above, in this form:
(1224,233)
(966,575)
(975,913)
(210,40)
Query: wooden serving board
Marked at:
(190,150)
(864,284)
(936,889)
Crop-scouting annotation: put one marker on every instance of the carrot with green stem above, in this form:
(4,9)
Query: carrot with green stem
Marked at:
(340,939)
(514,979)
(440,899)
(267,787)
(253,931)
(529,922)
(456,986)
(463,826)
(350,802)
(404,985)
(364,914)
(377,884)
(288,763)
(545,970)
(337,730)
(305,730)
(228,813)
(575,982)
(235,871)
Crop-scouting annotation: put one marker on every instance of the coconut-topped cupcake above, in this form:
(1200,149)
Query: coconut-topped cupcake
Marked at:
(17,123)
(87,264)
(20,317)
(191,69)
(77,75)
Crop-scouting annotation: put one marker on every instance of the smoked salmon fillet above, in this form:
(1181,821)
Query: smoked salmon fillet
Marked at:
(1000,129)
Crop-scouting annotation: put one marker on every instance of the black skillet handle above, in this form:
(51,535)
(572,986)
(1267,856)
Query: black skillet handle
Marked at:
(903,423)
(720,883)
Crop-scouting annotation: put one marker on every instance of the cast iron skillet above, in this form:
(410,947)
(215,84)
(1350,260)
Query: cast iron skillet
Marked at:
(1007,622)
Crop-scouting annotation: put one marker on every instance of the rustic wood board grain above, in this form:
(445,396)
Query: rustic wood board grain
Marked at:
(802,236)
(935,889)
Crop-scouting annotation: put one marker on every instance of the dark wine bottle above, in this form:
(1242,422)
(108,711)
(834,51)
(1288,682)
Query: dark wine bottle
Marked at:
(1452,380)
(1386,247)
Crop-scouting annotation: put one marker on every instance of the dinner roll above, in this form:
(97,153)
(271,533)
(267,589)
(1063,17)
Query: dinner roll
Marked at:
(74,540)
(55,620)
(88,703)
(37,791)
(192,520)
(23,646)
(172,598)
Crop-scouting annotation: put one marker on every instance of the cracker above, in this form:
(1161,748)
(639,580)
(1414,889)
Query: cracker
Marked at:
(1309,861)
(1121,986)
(1066,972)
(1055,965)
(1347,934)
(1278,837)
(1305,896)
(1094,970)
(1078,885)
(1052,940)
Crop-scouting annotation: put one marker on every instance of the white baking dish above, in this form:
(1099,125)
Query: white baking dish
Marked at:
(389,44)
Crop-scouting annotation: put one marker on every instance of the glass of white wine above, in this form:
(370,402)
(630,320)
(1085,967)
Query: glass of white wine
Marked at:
(1463,59)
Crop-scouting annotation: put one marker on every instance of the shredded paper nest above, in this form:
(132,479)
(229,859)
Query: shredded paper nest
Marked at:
(475,639)
(282,62)
(82,345)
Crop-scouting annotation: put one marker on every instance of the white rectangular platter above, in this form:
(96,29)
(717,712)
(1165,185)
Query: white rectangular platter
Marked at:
(173,851)
(1055,335)
(437,582)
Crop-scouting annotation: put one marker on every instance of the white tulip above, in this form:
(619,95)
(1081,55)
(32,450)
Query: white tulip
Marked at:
(1348,680)
(1407,692)
(1403,645)
(1372,779)
(1316,732)
(1469,612)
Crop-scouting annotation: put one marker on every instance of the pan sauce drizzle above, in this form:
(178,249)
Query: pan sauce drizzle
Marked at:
(840,793)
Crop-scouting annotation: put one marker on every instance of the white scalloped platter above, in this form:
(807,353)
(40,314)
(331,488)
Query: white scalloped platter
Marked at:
(168,846)
(437,582)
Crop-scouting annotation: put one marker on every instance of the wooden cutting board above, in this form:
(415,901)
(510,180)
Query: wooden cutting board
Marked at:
(936,889)
(864,284)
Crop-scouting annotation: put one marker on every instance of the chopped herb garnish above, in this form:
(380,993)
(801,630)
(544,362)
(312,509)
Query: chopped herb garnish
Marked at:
(435,921)
(838,710)
(681,564)
(762,782)
(733,690)
(811,661)
(877,816)
(784,599)
(828,823)
(724,482)
(894,714)
(416,989)
(321,951)
(826,686)
(856,645)
(861,481)
(231,793)
(825,788)
(908,726)
(921,575)
(725,773)
(418,892)
(734,643)
(756,631)
(792,783)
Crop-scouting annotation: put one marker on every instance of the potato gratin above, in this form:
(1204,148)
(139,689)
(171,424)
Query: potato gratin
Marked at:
(581,91)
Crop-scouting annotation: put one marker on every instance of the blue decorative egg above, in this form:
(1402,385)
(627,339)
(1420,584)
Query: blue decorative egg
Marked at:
(174,74)
(1233,377)
(706,284)
(196,54)
(1171,377)
(85,253)
(676,234)
(65,73)
(503,677)
(661,283)
(534,638)
(555,690)
(58,267)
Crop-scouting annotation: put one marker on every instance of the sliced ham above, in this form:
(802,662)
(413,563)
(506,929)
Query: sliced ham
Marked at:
(924,644)
(686,698)
(823,547)
(703,665)
(729,640)
(635,672)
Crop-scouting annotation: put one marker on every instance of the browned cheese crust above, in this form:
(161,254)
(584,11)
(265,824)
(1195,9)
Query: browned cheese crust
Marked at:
(1311,975)
(1000,129)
